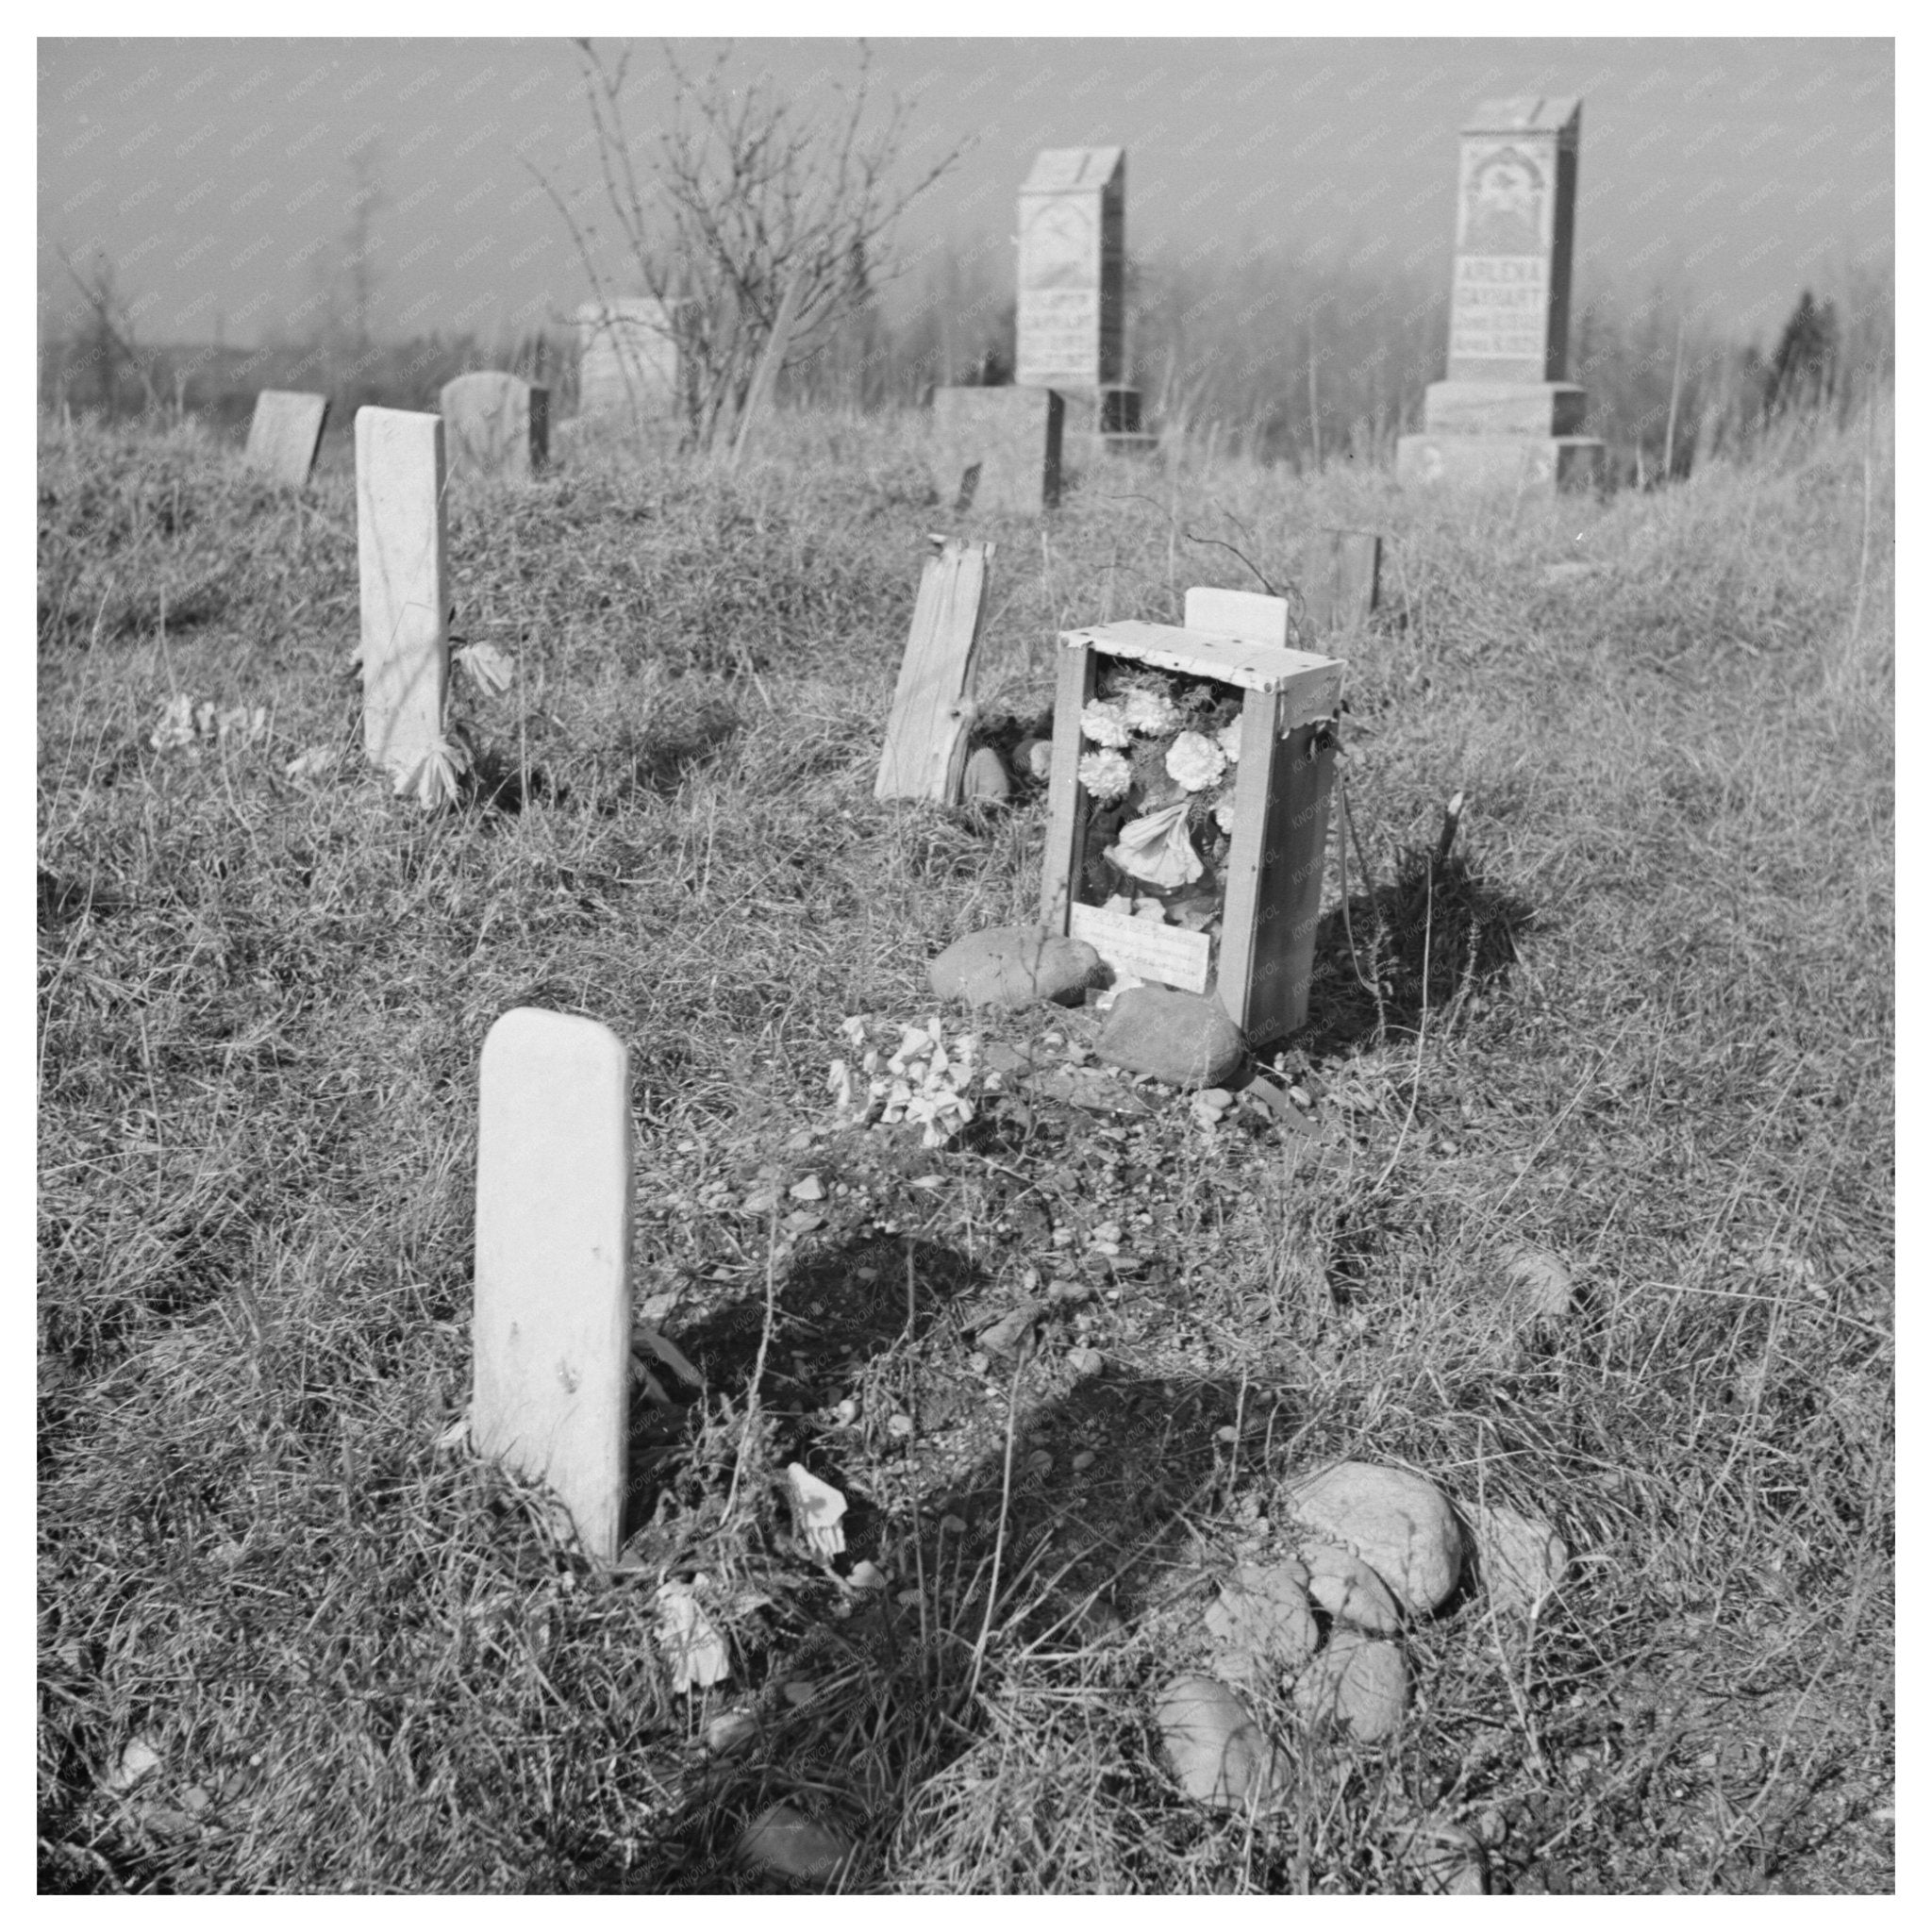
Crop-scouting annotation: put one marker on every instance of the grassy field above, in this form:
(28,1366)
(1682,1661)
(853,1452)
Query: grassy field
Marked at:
(1651,1038)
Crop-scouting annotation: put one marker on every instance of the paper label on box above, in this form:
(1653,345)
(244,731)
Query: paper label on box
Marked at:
(1166,954)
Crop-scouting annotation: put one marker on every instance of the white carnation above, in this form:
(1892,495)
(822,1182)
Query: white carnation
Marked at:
(1195,761)
(1105,774)
(1229,739)
(1151,713)
(1102,724)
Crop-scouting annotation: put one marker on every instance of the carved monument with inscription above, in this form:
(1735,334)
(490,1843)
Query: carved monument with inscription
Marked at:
(1071,287)
(1507,414)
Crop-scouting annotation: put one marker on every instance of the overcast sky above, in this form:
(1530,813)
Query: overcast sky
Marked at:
(213,173)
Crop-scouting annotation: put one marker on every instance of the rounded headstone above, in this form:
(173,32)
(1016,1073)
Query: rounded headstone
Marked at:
(1401,1525)
(1012,966)
(1185,1039)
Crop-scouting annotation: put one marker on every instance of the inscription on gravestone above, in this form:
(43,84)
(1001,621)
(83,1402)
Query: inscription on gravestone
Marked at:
(1515,225)
(401,554)
(284,434)
(1506,415)
(551,1327)
(495,425)
(1072,261)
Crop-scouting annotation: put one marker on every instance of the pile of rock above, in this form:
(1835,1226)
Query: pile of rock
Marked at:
(1367,1549)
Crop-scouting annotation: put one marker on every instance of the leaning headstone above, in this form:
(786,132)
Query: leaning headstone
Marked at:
(284,433)
(402,547)
(998,449)
(1071,284)
(627,358)
(495,426)
(1505,414)
(552,1322)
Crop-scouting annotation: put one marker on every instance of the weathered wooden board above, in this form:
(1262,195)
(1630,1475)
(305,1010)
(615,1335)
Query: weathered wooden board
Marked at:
(1065,857)
(1345,579)
(933,709)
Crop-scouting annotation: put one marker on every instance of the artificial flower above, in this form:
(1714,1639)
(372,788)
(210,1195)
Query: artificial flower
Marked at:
(1105,774)
(1156,848)
(1229,739)
(1151,713)
(1224,811)
(1195,761)
(1103,723)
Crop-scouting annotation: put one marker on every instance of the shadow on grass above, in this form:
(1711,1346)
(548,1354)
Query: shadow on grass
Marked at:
(1025,1554)
(1443,927)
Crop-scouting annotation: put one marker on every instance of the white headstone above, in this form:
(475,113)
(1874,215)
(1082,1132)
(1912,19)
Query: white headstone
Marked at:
(402,545)
(626,358)
(284,434)
(495,425)
(552,1326)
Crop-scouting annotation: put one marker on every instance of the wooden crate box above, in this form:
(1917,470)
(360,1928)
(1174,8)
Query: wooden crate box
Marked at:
(1277,840)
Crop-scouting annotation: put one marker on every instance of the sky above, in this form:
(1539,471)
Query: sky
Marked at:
(215,175)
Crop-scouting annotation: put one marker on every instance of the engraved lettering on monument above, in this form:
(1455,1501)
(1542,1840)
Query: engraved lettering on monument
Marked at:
(1506,415)
(1073,226)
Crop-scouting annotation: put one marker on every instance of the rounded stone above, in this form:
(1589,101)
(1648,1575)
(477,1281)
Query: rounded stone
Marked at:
(1261,1622)
(782,1838)
(1185,1039)
(1519,1559)
(1348,1589)
(1215,1749)
(1545,1288)
(1355,1681)
(1401,1525)
(987,776)
(1012,966)
(1445,1858)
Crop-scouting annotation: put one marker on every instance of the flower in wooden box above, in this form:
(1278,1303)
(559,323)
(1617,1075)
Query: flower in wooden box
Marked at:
(1189,803)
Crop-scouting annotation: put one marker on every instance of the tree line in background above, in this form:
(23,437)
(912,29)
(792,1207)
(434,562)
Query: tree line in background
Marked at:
(768,238)
(1259,354)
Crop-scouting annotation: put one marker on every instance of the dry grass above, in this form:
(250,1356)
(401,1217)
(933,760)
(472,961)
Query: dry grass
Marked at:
(1651,1032)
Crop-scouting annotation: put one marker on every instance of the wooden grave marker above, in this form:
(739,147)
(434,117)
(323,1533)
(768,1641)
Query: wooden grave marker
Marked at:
(933,709)
(284,434)
(402,545)
(552,1326)
(1342,584)
(1278,840)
